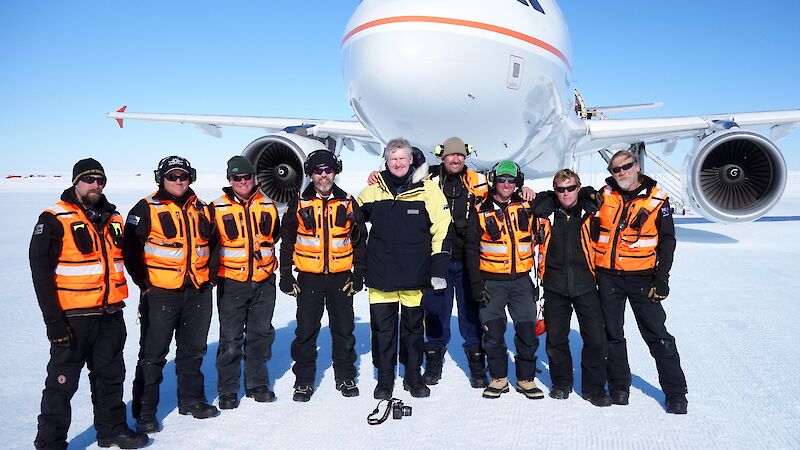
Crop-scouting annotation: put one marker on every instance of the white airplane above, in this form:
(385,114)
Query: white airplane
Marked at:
(498,74)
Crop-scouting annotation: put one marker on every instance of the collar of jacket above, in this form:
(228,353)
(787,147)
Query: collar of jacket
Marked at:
(336,192)
(647,184)
(420,173)
(163,195)
(439,171)
(490,205)
(102,205)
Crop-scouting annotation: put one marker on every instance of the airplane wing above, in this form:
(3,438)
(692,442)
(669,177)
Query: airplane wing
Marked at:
(620,133)
(351,130)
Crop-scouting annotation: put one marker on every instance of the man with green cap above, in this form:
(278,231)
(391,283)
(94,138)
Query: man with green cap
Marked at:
(243,265)
(499,256)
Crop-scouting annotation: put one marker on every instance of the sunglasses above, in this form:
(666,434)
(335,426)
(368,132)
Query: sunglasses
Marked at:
(505,179)
(88,179)
(245,177)
(623,167)
(321,170)
(174,177)
(562,189)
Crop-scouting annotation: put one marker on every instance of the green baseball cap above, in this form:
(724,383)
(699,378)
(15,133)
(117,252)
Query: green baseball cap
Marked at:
(506,168)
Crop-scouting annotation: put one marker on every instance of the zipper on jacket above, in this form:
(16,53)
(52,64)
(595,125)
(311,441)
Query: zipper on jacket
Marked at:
(622,217)
(507,217)
(325,235)
(189,248)
(250,242)
(107,275)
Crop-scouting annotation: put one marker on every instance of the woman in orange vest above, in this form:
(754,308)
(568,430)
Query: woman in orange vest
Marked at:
(244,264)
(77,269)
(167,251)
(566,271)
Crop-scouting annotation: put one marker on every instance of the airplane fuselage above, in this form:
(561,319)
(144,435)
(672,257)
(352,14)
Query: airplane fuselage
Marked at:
(495,73)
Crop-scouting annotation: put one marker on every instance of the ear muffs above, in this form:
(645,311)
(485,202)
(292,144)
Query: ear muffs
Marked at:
(307,167)
(439,149)
(519,180)
(157,173)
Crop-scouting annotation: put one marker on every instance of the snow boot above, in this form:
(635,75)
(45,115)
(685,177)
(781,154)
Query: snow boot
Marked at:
(560,393)
(348,388)
(600,399)
(303,393)
(477,368)
(200,410)
(497,387)
(529,389)
(228,401)
(383,391)
(261,394)
(413,384)
(125,438)
(677,404)
(434,358)
(147,424)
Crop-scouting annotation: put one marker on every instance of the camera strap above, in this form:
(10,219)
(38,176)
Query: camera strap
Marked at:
(373,418)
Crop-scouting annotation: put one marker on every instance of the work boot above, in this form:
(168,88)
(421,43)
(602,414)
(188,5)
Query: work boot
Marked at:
(200,410)
(414,384)
(619,397)
(348,388)
(497,387)
(600,399)
(148,424)
(261,394)
(383,391)
(303,393)
(124,438)
(677,403)
(560,392)
(434,358)
(228,401)
(529,389)
(477,367)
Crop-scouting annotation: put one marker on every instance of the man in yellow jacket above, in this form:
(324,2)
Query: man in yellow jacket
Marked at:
(79,278)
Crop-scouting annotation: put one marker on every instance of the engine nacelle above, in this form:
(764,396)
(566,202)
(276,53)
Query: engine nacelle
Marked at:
(734,176)
(278,159)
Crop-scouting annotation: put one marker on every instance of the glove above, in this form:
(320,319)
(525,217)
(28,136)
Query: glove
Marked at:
(58,333)
(594,199)
(659,290)
(480,293)
(354,284)
(288,284)
(439,284)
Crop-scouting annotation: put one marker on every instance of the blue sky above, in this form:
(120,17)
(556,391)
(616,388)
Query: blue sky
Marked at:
(65,64)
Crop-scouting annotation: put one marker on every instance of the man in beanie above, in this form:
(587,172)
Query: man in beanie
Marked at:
(167,249)
(243,265)
(75,255)
(324,237)
(464,188)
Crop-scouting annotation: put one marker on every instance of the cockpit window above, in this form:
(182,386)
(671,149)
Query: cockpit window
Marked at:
(533,3)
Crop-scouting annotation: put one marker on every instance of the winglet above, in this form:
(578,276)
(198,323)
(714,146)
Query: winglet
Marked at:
(119,121)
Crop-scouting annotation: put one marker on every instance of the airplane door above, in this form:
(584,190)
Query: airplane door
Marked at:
(515,66)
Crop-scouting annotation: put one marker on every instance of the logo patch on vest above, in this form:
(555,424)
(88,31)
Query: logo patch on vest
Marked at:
(38,229)
(133,220)
(412,211)
(665,212)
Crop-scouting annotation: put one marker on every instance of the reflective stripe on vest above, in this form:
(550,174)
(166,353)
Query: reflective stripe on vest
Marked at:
(326,247)
(512,251)
(246,239)
(88,277)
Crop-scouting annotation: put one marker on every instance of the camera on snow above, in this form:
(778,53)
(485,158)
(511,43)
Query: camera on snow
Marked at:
(399,410)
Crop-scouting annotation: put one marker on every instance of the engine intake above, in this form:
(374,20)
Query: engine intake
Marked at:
(735,176)
(278,160)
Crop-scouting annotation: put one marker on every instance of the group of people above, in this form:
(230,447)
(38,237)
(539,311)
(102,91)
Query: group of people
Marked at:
(436,232)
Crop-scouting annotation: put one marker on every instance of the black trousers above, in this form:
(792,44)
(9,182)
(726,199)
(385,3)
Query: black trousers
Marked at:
(557,315)
(520,298)
(245,330)
(164,312)
(383,322)
(317,292)
(96,341)
(651,318)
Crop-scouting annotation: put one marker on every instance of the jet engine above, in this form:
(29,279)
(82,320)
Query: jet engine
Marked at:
(734,176)
(278,159)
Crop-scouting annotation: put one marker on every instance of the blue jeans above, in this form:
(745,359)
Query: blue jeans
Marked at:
(439,308)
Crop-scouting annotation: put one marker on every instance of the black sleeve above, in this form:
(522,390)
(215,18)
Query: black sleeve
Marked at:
(472,254)
(666,241)
(276,229)
(213,245)
(137,228)
(43,254)
(544,204)
(359,239)
(288,235)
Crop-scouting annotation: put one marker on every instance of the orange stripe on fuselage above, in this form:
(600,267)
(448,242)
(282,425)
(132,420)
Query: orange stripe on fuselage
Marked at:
(462,23)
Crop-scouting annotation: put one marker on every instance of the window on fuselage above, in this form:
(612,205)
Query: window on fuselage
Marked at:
(533,3)
(524,2)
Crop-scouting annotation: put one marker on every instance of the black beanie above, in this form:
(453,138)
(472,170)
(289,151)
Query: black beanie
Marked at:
(239,165)
(88,166)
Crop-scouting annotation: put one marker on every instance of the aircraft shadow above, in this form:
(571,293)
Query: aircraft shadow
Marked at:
(702,236)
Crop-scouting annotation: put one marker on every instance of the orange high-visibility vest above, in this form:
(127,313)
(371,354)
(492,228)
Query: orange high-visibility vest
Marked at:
(628,233)
(90,273)
(544,231)
(247,246)
(477,184)
(327,247)
(175,249)
(511,251)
